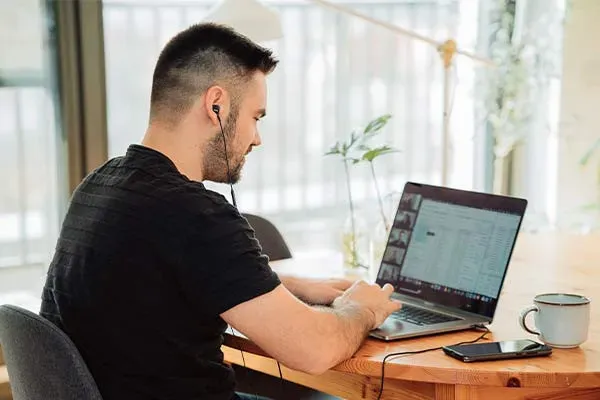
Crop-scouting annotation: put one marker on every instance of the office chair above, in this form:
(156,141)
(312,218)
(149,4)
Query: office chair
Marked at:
(42,362)
(269,237)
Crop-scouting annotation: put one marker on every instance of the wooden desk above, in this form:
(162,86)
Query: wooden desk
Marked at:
(541,263)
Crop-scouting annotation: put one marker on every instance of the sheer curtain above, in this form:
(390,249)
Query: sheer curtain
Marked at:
(29,165)
(544,30)
(539,26)
(336,74)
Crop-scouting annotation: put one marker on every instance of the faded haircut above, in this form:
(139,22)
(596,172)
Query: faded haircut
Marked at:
(199,57)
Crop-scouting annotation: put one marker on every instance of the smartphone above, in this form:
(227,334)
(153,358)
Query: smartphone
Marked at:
(497,350)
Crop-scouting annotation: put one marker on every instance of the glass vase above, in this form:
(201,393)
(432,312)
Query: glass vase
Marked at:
(356,243)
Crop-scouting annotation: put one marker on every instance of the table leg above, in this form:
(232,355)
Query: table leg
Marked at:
(445,392)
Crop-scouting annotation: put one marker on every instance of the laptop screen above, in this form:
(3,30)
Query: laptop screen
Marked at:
(451,247)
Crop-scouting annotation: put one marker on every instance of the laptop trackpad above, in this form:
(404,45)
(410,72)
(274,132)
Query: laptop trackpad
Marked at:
(393,326)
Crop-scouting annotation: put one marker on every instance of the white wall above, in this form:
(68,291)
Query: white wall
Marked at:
(580,109)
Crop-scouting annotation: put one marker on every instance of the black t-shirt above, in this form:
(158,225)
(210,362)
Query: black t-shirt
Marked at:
(145,263)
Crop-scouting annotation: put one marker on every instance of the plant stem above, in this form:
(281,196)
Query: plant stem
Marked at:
(385,222)
(351,203)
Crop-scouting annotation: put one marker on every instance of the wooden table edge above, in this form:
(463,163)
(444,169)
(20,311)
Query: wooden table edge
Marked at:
(444,376)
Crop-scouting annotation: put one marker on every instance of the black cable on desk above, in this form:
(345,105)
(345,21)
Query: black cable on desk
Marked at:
(402,353)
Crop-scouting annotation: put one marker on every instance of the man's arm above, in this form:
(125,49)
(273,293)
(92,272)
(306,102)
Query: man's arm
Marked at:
(315,291)
(312,339)
(223,272)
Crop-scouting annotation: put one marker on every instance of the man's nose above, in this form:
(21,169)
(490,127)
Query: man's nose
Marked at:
(257,140)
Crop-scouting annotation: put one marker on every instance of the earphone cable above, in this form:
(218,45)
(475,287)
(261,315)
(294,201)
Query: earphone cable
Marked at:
(246,370)
(227,161)
(282,390)
(281,381)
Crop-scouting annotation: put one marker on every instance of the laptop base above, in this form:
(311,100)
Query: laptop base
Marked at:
(396,330)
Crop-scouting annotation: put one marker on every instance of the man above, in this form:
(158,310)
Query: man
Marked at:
(150,266)
(405,221)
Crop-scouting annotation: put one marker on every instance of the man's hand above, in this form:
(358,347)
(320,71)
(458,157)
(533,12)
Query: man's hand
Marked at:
(316,291)
(373,298)
(312,339)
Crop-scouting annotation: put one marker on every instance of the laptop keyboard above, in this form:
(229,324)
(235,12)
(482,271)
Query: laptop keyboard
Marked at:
(420,316)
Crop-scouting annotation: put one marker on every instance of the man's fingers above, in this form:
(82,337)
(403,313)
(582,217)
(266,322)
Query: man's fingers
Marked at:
(358,283)
(388,289)
(395,305)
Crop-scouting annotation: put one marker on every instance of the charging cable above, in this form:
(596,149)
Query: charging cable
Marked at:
(403,353)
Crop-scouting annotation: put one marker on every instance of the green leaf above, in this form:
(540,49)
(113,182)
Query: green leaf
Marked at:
(335,149)
(372,154)
(590,152)
(353,139)
(376,124)
(345,148)
(357,140)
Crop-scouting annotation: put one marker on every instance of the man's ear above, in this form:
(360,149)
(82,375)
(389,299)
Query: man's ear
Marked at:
(215,95)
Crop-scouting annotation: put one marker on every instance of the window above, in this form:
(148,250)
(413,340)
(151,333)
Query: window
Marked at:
(31,190)
(336,73)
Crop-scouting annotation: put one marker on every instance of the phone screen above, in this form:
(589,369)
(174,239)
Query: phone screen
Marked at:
(509,346)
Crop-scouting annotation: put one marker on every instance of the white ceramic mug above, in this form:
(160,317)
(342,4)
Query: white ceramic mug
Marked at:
(562,319)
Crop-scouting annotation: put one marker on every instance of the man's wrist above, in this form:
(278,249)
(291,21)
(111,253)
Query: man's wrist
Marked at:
(359,312)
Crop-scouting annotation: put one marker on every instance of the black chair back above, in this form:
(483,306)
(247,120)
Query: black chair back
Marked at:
(42,361)
(271,240)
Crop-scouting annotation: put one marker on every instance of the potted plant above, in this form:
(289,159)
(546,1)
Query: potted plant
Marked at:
(357,149)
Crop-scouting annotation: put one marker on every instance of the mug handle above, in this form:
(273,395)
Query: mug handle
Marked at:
(524,315)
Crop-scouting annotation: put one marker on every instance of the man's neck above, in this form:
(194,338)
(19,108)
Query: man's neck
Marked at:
(187,159)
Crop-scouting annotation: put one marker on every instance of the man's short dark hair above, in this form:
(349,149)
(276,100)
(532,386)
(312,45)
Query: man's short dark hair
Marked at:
(199,57)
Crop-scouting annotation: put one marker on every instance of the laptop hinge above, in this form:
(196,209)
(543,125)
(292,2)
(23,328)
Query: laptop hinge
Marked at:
(441,308)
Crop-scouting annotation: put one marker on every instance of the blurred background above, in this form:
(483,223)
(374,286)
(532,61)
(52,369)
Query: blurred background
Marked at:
(75,80)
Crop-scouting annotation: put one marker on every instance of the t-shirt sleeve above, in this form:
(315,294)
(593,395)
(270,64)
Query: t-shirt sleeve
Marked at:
(222,262)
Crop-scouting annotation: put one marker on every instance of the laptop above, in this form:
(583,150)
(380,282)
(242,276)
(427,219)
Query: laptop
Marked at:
(446,256)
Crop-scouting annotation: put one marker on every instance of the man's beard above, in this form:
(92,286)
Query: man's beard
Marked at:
(215,166)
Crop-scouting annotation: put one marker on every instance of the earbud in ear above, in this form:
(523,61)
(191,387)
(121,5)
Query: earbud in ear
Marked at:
(216,109)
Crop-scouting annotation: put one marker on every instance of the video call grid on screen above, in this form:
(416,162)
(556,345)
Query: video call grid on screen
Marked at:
(439,244)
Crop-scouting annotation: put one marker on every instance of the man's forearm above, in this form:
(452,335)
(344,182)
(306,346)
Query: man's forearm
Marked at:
(315,291)
(347,325)
(293,284)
